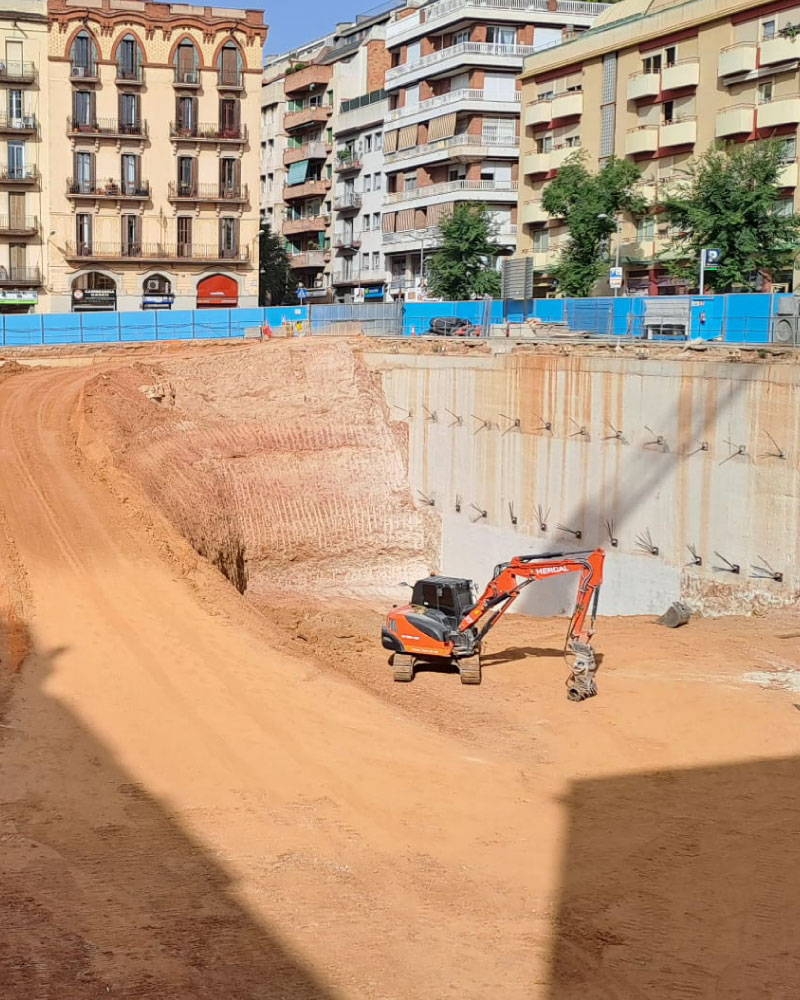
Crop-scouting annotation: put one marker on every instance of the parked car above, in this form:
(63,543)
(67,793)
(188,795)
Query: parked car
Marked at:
(452,326)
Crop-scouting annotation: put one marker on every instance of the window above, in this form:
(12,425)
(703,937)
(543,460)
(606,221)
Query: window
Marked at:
(14,104)
(376,220)
(84,173)
(788,148)
(186,176)
(365,222)
(184,236)
(378,141)
(572,142)
(541,240)
(410,181)
(765,92)
(413,51)
(459,37)
(186,63)
(229,66)
(83,56)
(376,261)
(544,144)
(82,109)
(229,177)
(412,96)
(228,237)
(16,160)
(544,95)
(457,173)
(668,112)
(129,59)
(609,77)
(501,36)
(652,64)
(767,30)
(131,236)
(367,182)
(365,261)
(377,182)
(607,130)
(130,173)
(186,115)
(229,116)
(129,122)
(645,228)
(670,54)
(785,207)
(83,233)
(367,143)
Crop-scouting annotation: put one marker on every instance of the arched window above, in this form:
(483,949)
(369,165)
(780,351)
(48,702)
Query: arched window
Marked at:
(186,63)
(83,56)
(129,60)
(94,292)
(95,281)
(157,284)
(229,66)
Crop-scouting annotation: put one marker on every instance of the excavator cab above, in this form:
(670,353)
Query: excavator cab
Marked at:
(450,595)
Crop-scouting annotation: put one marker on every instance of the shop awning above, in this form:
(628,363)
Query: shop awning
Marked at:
(297,172)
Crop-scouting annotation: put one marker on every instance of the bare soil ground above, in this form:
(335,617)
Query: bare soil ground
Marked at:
(205,795)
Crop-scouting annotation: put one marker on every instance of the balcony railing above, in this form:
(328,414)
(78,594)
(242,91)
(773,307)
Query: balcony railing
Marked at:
(19,276)
(26,224)
(180,191)
(17,72)
(346,164)
(486,50)
(83,70)
(314,188)
(457,144)
(347,241)
(307,115)
(451,187)
(157,251)
(130,74)
(18,175)
(22,124)
(208,132)
(137,190)
(454,97)
(186,77)
(312,258)
(347,203)
(306,224)
(110,127)
(230,79)
(360,276)
(308,151)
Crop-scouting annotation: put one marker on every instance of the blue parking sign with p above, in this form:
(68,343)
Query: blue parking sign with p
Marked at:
(712,257)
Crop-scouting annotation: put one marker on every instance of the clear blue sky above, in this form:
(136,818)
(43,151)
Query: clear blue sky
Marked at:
(292,22)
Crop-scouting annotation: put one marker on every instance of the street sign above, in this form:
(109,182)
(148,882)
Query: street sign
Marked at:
(615,277)
(302,293)
(711,259)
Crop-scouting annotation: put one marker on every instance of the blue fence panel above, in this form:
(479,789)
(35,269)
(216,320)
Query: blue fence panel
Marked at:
(550,310)
(139,326)
(212,324)
(178,325)
(243,319)
(21,331)
(590,315)
(747,319)
(276,315)
(101,328)
(62,328)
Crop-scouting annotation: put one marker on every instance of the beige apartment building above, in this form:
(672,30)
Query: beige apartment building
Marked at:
(453,127)
(658,82)
(153,181)
(23,154)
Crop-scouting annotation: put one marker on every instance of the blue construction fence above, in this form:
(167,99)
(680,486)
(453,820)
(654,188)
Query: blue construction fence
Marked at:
(741,319)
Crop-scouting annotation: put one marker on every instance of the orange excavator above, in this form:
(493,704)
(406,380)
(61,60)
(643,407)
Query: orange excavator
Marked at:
(444,622)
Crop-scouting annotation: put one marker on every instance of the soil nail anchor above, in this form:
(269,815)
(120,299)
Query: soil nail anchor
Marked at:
(457,421)
(581,431)
(765,571)
(644,541)
(778,453)
(546,424)
(696,560)
(729,567)
(481,512)
(511,513)
(737,449)
(570,531)
(611,536)
(514,421)
(617,434)
(426,499)
(459,500)
(431,414)
(541,517)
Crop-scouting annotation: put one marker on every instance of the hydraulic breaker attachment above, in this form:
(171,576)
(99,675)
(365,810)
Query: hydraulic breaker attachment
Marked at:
(580,683)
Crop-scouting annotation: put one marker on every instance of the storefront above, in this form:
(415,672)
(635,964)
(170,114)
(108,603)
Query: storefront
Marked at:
(18,301)
(157,292)
(217,292)
(94,292)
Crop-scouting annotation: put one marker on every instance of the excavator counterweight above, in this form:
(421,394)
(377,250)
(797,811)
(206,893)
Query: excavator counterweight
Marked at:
(444,622)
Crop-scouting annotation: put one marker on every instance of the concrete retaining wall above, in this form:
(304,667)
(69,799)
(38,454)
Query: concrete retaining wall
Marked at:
(599,470)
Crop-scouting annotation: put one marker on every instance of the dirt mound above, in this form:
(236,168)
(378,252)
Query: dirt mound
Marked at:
(280,465)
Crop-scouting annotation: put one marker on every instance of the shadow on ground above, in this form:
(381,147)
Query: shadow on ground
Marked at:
(679,884)
(103,894)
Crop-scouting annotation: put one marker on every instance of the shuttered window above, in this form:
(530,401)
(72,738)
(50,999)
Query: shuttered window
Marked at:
(442,127)
(408,137)
(390,142)
(388,221)
(405,220)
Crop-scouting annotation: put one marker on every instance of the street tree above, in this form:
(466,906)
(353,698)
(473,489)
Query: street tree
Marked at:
(728,199)
(465,265)
(590,205)
(275,283)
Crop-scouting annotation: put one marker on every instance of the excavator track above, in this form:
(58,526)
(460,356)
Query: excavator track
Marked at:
(470,669)
(403,667)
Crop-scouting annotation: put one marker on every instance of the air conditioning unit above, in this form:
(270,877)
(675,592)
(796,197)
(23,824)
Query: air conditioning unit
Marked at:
(17,123)
(79,71)
(152,285)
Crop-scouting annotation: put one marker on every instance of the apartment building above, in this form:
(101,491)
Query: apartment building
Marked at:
(657,82)
(23,154)
(453,124)
(154,155)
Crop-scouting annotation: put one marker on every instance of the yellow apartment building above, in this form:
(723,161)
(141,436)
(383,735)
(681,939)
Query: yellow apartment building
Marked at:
(23,154)
(153,181)
(658,82)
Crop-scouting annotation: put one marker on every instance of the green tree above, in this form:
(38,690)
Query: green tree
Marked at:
(275,283)
(465,263)
(728,200)
(590,204)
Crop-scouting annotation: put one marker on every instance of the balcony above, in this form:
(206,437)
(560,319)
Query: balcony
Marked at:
(533,212)
(158,252)
(230,79)
(24,125)
(350,202)
(643,85)
(20,277)
(347,241)
(109,190)
(539,113)
(683,73)
(560,155)
(779,111)
(507,190)
(308,151)
(362,276)
(487,102)
(777,50)
(643,139)
(208,132)
(186,78)
(84,72)
(567,104)
(27,225)
(227,194)
(681,132)
(17,72)
(318,113)
(737,120)
(302,79)
(536,163)
(311,189)
(349,164)
(129,76)
(312,258)
(107,128)
(787,175)
(309,224)
(456,56)
(27,176)
(461,148)
(740,58)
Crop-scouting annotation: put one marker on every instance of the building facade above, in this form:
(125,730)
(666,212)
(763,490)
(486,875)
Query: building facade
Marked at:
(153,183)
(657,82)
(453,124)
(24,155)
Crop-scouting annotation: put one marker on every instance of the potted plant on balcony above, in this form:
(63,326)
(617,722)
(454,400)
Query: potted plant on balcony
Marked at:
(344,156)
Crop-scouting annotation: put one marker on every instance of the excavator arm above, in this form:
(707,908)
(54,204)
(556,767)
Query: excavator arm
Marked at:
(512,577)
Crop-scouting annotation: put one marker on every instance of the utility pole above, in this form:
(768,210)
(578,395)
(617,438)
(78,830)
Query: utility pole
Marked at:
(702,270)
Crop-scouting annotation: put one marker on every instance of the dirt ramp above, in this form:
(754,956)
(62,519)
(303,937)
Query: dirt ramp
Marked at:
(279,464)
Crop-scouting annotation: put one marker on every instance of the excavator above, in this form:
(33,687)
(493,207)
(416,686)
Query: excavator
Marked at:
(444,622)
